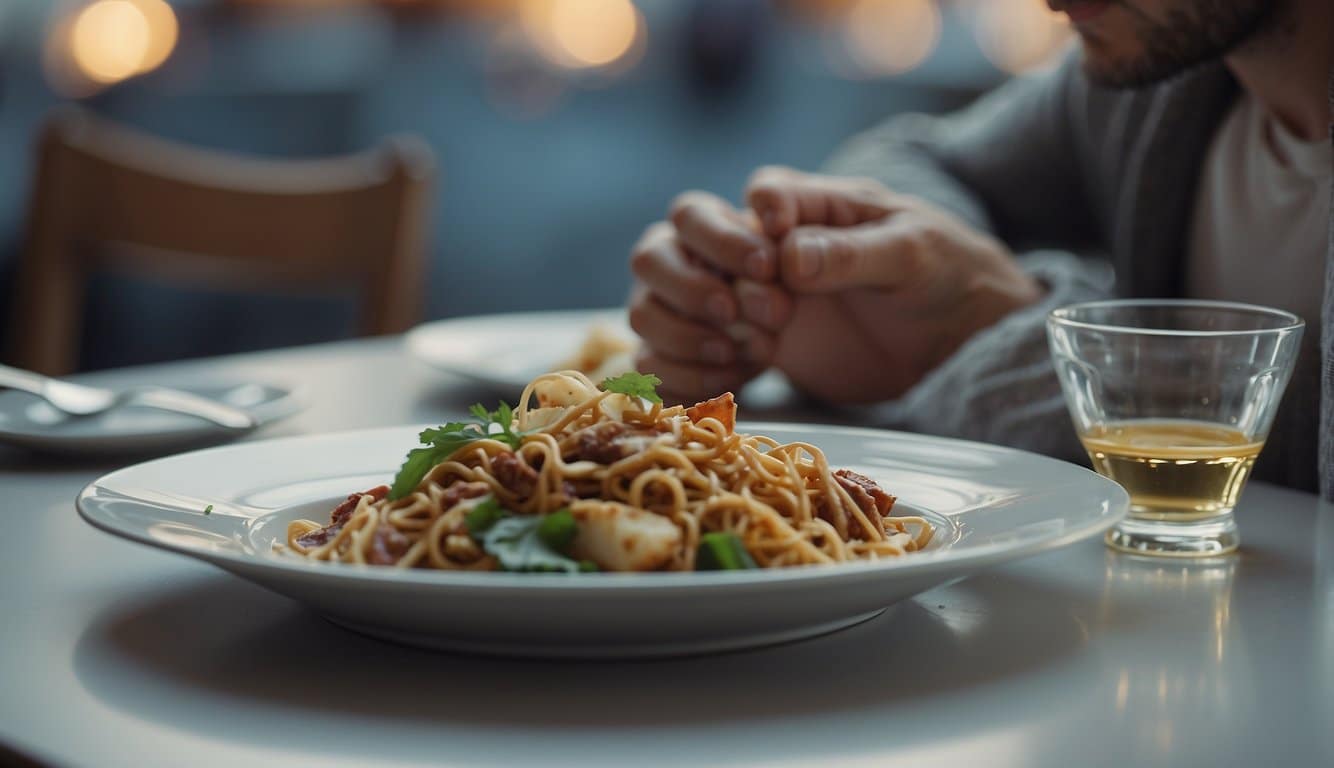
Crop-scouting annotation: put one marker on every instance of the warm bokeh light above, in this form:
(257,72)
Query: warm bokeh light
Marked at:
(163,31)
(110,40)
(888,37)
(1019,35)
(582,33)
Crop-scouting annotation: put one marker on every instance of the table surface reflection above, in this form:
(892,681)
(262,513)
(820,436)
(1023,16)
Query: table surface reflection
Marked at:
(115,654)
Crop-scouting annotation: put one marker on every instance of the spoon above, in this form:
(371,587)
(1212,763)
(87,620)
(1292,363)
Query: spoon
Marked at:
(81,400)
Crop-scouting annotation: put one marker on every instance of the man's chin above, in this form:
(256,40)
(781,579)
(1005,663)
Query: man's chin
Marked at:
(1105,69)
(1100,73)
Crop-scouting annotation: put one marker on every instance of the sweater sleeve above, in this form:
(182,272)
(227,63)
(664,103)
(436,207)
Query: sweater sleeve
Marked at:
(1001,387)
(1008,164)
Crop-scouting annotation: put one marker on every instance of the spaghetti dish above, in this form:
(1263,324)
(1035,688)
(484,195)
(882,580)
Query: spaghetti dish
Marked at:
(587,478)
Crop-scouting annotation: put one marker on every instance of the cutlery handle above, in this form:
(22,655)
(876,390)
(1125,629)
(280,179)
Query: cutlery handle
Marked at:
(194,405)
(24,381)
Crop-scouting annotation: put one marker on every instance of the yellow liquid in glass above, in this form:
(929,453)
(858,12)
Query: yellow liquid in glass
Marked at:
(1174,470)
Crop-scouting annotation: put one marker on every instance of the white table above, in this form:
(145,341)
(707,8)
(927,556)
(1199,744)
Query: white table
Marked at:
(116,654)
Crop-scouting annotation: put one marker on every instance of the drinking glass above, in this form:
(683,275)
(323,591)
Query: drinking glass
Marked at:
(1174,400)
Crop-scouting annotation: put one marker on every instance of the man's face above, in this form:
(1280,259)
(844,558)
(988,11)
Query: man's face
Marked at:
(1129,43)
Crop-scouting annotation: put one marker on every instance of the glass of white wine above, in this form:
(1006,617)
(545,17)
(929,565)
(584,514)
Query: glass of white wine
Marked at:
(1174,400)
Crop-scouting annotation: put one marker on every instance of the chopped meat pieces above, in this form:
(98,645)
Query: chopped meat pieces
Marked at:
(318,537)
(460,491)
(609,442)
(517,477)
(321,536)
(343,511)
(599,444)
(866,494)
(722,408)
(388,545)
(869,496)
(835,516)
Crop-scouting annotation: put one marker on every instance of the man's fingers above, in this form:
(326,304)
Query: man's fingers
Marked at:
(687,384)
(769,195)
(679,338)
(877,255)
(765,305)
(718,234)
(660,263)
(784,199)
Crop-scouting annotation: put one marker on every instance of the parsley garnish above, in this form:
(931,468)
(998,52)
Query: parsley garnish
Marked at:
(635,385)
(441,443)
(498,424)
(557,529)
(481,517)
(534,543)
(208,510)
(722,551)
(444,441)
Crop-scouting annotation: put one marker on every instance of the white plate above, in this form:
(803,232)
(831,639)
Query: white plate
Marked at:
(990,504)
(30,422)
(503,351)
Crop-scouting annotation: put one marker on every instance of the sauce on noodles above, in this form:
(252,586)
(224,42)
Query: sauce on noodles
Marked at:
(644,485)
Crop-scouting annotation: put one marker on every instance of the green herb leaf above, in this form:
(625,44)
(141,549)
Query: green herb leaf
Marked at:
(588,566)
(451,431)
(208,510)
(635,385)
(722,552)
(498,424)
(518,544)
(481,517)
(418,462)
(557,529)
(442,442)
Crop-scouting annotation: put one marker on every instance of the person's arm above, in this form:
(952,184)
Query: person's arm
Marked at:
(1010,165)
(1000,386)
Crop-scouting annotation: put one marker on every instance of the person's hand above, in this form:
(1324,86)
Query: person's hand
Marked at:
(875,288)
(692,276)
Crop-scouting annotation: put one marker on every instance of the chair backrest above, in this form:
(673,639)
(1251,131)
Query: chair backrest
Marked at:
(106,197)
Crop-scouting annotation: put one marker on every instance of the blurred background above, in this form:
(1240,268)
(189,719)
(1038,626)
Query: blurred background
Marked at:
(559,128)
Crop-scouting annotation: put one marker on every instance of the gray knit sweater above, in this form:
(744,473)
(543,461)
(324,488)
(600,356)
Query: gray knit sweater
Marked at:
(1056,166)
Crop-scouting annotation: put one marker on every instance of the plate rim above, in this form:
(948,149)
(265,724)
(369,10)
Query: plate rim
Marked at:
(414,338)
(962,560)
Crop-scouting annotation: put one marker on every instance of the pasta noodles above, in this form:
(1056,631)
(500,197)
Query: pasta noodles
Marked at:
(611,481)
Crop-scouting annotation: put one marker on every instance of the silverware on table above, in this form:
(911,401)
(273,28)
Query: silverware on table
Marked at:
(82,400)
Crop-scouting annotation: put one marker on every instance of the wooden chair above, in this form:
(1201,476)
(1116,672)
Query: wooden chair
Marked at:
(107,198)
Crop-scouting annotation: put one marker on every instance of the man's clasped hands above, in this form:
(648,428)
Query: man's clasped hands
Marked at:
(852,290)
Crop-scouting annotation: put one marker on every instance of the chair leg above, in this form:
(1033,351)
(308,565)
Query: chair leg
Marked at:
(49,287)
(393,301)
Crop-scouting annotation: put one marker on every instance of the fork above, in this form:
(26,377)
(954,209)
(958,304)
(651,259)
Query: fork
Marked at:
(81,400)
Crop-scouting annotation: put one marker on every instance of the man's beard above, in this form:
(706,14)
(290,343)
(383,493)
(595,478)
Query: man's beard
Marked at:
(1201,31)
